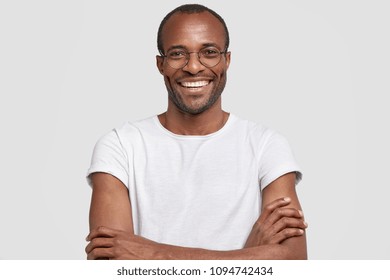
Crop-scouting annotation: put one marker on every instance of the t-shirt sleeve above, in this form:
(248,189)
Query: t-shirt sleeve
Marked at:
(276,159)
(110,157)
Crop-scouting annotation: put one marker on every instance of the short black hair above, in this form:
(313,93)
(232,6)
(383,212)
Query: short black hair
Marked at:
(190,9)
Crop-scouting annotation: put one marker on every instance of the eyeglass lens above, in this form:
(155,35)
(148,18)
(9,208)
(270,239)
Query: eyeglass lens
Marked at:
(178,58)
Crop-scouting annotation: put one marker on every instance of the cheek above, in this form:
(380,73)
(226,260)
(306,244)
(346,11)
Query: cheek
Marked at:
(220,71)
(169,82)
(221,74)
(169,73)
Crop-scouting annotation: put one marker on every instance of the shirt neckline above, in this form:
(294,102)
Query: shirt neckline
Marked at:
(228,123)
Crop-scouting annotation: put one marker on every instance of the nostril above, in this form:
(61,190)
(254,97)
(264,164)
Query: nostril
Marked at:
(193,64)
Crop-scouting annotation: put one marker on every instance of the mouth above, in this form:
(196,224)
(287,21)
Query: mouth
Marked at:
(195,84)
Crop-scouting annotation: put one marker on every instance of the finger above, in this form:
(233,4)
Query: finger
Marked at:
(287,222)
(99,242)
(285,234)
(100,253)
(102,231)
(270,207)
(281,213)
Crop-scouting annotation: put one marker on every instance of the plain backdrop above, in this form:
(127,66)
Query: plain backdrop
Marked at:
(316,71)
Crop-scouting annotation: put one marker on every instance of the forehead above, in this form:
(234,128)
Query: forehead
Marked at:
(193,31)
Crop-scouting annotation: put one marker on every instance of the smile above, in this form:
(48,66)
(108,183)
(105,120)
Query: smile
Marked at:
(197,84)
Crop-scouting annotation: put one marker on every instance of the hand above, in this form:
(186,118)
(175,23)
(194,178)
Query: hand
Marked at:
(276,224)
(108,243)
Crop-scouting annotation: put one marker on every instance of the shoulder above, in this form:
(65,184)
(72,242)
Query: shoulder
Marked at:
(124,137)
(255,131)
(136,127)
(129,130)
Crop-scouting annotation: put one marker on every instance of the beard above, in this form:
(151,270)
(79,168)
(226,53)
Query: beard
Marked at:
(200,107)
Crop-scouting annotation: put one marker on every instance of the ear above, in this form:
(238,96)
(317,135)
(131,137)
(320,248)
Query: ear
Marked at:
(160,64)
(227,58)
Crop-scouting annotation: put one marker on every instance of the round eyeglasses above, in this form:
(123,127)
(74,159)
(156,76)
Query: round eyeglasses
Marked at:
(178,58)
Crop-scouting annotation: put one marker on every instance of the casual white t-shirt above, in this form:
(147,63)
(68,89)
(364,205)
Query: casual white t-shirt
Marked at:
(194,191)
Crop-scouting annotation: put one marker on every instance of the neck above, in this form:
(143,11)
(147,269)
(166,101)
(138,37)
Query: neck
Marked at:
(182,123)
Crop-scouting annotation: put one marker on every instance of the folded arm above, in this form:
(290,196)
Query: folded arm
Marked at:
(283,224)
(112,235)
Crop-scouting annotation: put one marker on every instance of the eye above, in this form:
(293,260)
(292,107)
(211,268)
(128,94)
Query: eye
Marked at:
(176,54)
(210,52)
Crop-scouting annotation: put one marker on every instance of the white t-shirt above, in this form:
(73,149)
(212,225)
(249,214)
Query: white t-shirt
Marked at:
(194,191)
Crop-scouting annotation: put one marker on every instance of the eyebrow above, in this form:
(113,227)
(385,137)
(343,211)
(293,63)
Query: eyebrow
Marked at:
(205,45)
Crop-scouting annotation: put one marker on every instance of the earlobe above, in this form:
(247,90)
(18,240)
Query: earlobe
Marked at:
(159,63)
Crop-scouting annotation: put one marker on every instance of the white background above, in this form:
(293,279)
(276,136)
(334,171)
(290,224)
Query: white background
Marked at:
(317,71)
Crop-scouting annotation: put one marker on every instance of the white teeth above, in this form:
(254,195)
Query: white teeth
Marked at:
(195,84)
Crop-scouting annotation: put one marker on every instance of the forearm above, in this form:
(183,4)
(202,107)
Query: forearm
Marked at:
(107,243)
(265,252)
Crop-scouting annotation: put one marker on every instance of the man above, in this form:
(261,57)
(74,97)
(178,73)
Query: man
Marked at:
(194,182)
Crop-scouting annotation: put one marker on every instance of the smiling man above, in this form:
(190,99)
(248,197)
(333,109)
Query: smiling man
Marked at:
(195,182)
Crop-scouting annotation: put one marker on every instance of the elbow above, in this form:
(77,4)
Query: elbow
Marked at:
(295,248)
(298,256)
(294,253)
(280,252)
(284,252)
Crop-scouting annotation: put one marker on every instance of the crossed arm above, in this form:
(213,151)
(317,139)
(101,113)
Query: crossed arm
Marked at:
(279,232)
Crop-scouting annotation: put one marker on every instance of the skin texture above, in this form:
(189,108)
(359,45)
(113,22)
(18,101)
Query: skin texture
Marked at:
(279,232)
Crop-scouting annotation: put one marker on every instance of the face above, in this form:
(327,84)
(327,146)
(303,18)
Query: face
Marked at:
(194,88)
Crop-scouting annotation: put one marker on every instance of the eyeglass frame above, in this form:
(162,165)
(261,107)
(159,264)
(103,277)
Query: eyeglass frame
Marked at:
(189,53)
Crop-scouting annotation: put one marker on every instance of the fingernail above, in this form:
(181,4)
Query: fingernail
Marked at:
(301,231)
(306,225)
(300,213)
(287,199)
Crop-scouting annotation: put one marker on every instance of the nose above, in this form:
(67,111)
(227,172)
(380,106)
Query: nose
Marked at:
(193,65)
